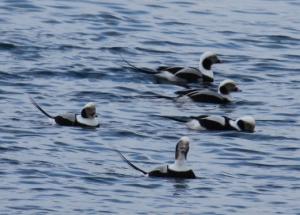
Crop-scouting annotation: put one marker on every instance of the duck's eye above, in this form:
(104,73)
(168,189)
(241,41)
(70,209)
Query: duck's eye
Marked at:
(236,89)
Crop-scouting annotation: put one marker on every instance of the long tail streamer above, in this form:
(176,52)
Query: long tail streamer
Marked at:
(129,163)
(144,70)
(38,107)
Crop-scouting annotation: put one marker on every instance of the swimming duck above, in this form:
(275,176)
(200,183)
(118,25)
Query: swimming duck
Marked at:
(206,95)
(87,117)
(180,75)
(178,169)
(215,122)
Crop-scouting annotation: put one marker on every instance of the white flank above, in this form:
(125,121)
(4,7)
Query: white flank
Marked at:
(87,121)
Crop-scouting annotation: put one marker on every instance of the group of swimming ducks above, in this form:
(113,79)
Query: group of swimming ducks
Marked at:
(183,76)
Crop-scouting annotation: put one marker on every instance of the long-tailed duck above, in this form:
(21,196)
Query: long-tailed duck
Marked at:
(205,95)
(215,122)
(178,169)
(180,75)
(87,117)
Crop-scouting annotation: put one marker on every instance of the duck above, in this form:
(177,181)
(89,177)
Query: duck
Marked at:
(180,75)
(217,122)
(178,169)
(206,95)
(87,117)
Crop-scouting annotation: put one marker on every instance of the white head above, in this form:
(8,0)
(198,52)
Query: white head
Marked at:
(246,123)
(207,59)
(227,86)
(182,148)
(89,111)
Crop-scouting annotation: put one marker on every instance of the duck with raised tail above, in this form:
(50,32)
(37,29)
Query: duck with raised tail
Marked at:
(87,117)
(179,169)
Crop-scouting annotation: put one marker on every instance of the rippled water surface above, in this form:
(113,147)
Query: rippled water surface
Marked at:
(66,53)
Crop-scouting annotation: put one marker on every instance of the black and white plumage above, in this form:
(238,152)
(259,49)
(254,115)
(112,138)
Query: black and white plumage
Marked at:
(215,122)
(205,95)
(180,75)
(178,169)
(87,117)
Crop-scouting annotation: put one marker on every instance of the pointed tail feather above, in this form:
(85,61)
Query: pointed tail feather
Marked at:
(144,70)
(185,92)
(156,95)
(38,107)
(178,118)
(129,163)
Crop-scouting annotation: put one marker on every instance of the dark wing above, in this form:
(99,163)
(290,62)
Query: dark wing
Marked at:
(160,171)
(207,96)
(185,92)
(67,119)
(211,124)
(162,68)
(189,74)
(183,175)
(172,70)
(164,171)
(199,117)
(191,174)
(178,118)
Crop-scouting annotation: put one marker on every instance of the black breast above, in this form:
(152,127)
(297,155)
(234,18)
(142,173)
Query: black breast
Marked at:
(172,174)
(63,121)
(70,120)
(207,79)
(186,174)
(190,77)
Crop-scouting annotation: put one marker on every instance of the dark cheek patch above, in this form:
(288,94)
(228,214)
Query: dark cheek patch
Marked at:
(185,155)
(224,90)
(249,127)
(83,113)
(207,64)
(241,125)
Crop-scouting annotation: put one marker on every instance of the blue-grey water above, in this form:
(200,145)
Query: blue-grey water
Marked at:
(67,53)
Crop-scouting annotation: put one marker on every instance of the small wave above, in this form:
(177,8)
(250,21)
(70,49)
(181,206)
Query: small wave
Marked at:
(175,23)
(66,47)
(291,149)
(291,56)
(129,133)
(113,33)
(7,46)
(23,5)
(12,148)
(12,76)
(117,50)
(9,161)
(101,180)
(154,51)
(164,43)
(145,186)
(282,39)
(34,208)
(247,151)
(109,16)
(156,6)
